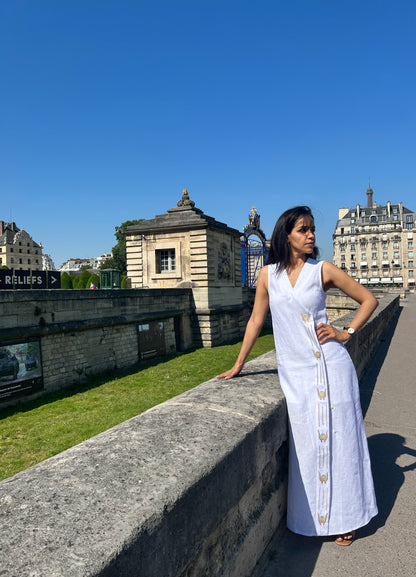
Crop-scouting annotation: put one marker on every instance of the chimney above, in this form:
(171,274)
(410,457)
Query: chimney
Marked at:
(369,195)
(388,208)
(342,212)
(1,226)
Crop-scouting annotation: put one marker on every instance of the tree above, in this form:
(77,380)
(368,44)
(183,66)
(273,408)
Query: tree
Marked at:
(66,280)
(94,279)
(83,279)
(119,260)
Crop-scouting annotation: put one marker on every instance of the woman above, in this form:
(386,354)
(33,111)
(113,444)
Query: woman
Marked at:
(330,483)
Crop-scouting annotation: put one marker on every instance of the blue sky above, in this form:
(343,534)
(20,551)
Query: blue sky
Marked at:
(109,108)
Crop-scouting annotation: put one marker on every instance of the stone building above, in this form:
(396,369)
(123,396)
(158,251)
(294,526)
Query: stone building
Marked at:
(375,244)
(186,248)
(18,250)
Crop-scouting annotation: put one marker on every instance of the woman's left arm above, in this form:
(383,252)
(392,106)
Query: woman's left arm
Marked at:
(333,277)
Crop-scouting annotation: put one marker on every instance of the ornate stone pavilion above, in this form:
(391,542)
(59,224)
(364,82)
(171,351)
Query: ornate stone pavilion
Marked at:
(187,248)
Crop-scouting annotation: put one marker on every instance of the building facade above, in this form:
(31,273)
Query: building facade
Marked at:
(375,244)
(18,251)
(77,264)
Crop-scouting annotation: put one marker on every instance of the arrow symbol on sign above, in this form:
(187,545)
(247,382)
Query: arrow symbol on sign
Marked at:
(54,279)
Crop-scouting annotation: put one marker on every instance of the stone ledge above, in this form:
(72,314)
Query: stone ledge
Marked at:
(195,482)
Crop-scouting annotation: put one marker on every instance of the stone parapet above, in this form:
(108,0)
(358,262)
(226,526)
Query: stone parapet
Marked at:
(193,487)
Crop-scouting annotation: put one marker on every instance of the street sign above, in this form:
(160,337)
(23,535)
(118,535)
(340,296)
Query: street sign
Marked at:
(54,279)
(24,279)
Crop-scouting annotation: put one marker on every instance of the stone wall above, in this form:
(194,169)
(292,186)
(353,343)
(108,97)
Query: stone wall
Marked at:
(193,487)
(86,332)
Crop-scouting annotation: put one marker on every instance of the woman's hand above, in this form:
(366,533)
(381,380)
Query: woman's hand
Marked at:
(328,332)
(236,370)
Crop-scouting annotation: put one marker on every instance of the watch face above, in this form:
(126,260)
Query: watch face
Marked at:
(350,331)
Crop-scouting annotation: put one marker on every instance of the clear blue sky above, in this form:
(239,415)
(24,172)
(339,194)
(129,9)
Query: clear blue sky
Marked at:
(109,108)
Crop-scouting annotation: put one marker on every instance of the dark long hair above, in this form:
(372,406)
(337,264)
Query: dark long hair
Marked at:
(279,252)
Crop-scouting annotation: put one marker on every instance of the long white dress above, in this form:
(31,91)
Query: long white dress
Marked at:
(331,487)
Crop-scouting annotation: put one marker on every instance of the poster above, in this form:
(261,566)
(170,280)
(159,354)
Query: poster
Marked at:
(20,369)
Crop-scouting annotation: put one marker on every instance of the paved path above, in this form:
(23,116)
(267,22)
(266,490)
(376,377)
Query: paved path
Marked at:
(387,546)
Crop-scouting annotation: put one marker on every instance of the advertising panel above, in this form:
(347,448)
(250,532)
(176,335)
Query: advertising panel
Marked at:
(20,369)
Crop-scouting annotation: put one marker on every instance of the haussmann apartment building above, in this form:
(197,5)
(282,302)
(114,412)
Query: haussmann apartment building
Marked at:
(375,244)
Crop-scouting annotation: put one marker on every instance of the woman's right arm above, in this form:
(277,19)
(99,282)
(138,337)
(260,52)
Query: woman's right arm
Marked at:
(254,325)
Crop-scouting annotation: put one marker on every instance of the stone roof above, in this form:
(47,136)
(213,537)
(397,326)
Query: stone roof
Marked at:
(184,216)
(11,234)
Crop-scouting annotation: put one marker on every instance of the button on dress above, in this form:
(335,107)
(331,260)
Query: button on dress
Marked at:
(331,489)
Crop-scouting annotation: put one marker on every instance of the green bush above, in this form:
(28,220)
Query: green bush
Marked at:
(83,280)
(66,281)
(95,280)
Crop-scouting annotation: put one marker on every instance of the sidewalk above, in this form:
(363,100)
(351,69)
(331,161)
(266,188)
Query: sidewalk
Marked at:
(387,546)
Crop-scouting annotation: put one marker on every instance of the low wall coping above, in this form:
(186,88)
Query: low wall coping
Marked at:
(148,491)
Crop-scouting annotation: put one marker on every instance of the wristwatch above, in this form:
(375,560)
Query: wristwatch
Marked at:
(349,330)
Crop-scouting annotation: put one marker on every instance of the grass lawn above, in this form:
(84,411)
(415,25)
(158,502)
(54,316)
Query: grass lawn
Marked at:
(34,431)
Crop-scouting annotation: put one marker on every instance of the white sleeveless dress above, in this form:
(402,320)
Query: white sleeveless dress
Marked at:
(331,487)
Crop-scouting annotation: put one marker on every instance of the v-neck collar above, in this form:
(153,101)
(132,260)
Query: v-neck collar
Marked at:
(299,275)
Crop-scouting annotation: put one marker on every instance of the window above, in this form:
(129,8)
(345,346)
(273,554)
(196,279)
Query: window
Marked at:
(343,248)
(411,275)
(353,257)
(363,256)
(374,255)
(373,246)
(409,244)
(353,265)
(410,254)
(385,256)
(352,230)
(12,260)
(353,221)
(28,261)
(20,261)
(373,219)
(409,218)
(396,254)
(410,264)
(395,245)
(165,261)
(409,225)
(343,257)
(395,217)
(384,244)
(353,273)
(352,247)
(353,213)
(11,250)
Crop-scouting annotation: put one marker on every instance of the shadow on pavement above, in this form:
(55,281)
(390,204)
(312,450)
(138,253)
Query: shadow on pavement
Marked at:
(369,379)
(385,449)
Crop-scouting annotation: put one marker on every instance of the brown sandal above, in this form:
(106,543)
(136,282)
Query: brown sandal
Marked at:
(345,540)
